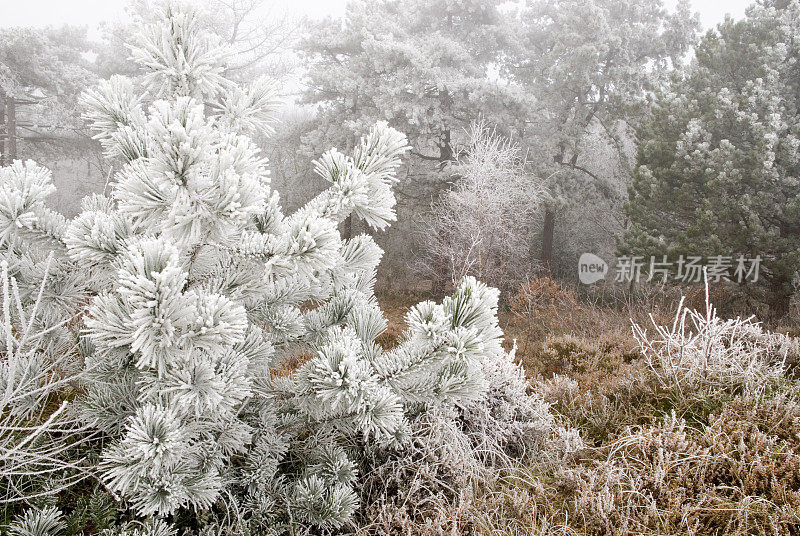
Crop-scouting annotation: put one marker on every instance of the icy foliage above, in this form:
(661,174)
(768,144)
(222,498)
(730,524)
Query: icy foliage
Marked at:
(45,522)
(509,421)
(38,364)
(703,353)
(479,226)
(456,453)
(198,285)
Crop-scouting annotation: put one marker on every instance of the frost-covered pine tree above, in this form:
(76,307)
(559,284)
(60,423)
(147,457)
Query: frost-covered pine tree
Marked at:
(199,285)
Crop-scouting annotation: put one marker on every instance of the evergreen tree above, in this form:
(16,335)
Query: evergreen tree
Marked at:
(200,285)
(42,74)
(429,68)
(587,68)
(717,167)
(423,65)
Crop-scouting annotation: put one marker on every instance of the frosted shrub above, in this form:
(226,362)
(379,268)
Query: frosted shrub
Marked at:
(704,353)
(737,475)
(200,285)
(481,225)
(38,427)
(458,453)
(512,422)
(45,522)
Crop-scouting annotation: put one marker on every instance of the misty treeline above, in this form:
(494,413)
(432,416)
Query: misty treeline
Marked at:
(539,130)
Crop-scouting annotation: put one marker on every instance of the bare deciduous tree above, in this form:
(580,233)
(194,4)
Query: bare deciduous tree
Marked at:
(480,226)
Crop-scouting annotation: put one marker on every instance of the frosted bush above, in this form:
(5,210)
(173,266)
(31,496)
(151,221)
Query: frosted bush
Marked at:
(480,226)
(509,421)
(457,454)
(198,285)
(38,428)
(45,522)
(701,352)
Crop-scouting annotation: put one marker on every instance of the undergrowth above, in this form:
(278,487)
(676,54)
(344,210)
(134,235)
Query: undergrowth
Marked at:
(686,423)
(690,424)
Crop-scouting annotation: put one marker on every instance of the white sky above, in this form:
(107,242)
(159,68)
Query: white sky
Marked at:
(92,12)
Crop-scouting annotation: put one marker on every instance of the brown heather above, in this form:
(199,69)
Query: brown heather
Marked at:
(718,458)
(739,475)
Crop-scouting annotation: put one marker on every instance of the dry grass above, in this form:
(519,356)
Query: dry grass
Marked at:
(291,364)
(394,307)
(664,458)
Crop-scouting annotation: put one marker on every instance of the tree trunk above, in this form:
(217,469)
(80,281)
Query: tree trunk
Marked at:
(2,128)
(446,149)
(11,111)
(779,299)
(439,286)
(547,240)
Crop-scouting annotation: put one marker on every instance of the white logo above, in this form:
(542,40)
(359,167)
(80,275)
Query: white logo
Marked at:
(591,268)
